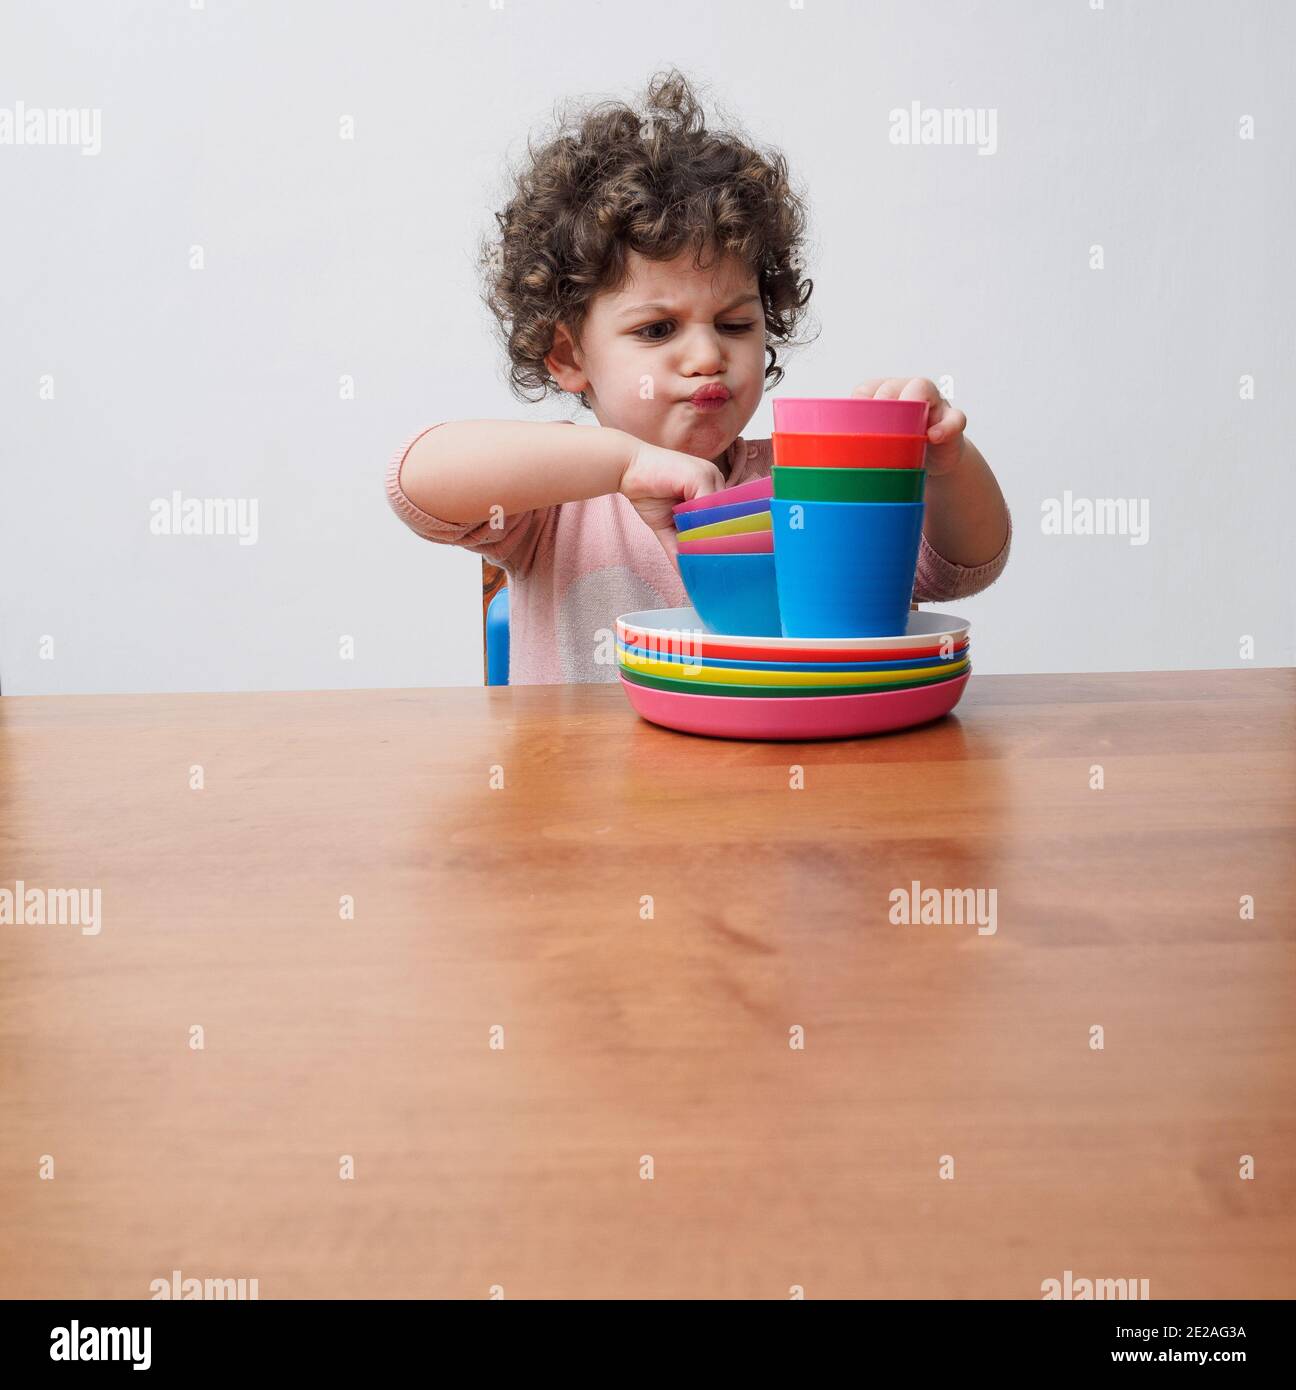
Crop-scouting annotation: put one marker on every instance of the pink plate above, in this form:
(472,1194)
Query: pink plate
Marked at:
(744,492)
(791,717)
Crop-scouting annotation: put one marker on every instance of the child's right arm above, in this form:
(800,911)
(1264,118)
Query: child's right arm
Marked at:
(462,470)
(466,467)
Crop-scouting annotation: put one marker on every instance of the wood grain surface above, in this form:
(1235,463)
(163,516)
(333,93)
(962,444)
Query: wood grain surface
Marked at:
(630,1039)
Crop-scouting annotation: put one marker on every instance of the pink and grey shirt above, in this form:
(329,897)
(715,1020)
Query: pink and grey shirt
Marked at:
(575,567)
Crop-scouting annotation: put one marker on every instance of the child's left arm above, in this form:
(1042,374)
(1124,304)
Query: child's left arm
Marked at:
(966,519)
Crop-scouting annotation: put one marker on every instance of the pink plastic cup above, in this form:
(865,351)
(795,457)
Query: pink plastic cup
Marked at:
(849,415)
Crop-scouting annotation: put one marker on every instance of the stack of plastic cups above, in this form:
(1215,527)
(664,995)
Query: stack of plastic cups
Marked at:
(847,514)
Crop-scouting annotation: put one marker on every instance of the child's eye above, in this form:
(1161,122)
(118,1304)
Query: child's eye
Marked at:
(641,333)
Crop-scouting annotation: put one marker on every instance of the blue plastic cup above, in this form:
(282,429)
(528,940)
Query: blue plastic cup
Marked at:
(845,569)
(735,594)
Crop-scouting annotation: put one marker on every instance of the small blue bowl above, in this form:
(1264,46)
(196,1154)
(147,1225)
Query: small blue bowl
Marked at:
(704,516)
(845,569)
(735,594)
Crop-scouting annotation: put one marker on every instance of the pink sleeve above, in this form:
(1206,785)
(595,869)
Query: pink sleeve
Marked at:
(510,545)
(939,580)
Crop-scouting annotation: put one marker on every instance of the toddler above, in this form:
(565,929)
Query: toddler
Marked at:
(649,267)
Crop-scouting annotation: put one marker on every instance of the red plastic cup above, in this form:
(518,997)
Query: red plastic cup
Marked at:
(849,450)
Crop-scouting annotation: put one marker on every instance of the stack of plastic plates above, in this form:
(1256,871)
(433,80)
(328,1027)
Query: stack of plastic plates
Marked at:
(677,674)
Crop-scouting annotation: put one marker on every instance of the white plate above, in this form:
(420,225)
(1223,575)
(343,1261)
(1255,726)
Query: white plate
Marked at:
(671,628)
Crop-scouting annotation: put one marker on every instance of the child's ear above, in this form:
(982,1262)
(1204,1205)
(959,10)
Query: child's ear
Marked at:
(563,362)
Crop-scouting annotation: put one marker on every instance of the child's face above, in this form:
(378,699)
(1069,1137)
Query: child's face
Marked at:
(640,365)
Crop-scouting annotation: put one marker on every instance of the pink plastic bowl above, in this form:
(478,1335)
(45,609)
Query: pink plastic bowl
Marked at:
(744,492)
(750,543)
(849,415)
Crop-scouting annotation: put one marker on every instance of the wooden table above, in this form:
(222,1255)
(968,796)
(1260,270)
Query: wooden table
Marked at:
(521,909)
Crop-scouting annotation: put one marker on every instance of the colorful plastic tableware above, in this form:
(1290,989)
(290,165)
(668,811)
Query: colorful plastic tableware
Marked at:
(681,629)
(707,516)
(744,543)
(850,484)
(736,526)
(733,593)
(845,569)
(820,679)
(849,415)
(849,450)
(694,652)
(802,720)
(628,655)
(744,492)
(782,692)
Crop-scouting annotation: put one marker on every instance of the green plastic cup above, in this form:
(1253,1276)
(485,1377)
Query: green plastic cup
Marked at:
(849,484)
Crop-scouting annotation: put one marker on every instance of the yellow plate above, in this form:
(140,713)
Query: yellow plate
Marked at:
(728,675)
(735,526)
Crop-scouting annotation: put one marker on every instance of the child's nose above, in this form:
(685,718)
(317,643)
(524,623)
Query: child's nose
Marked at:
(703,353)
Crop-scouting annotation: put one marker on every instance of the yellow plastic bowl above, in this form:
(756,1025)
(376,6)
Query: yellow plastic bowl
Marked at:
(735,526)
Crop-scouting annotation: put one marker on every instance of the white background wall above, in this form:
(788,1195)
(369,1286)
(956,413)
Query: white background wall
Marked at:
(324,257)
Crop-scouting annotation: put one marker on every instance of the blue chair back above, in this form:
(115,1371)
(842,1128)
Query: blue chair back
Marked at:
(497,639)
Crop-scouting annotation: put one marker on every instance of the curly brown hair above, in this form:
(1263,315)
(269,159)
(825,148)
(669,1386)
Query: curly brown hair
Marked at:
(614,181)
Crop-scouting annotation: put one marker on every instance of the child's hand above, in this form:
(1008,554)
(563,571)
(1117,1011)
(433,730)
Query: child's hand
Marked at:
(945,425)
(656,479)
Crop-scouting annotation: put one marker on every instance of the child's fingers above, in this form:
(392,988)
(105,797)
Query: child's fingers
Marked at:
(669,544)
(921,388)
(946,423)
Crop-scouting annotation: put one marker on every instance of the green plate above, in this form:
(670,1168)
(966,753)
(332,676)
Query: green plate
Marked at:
(686,687)
(849,484)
